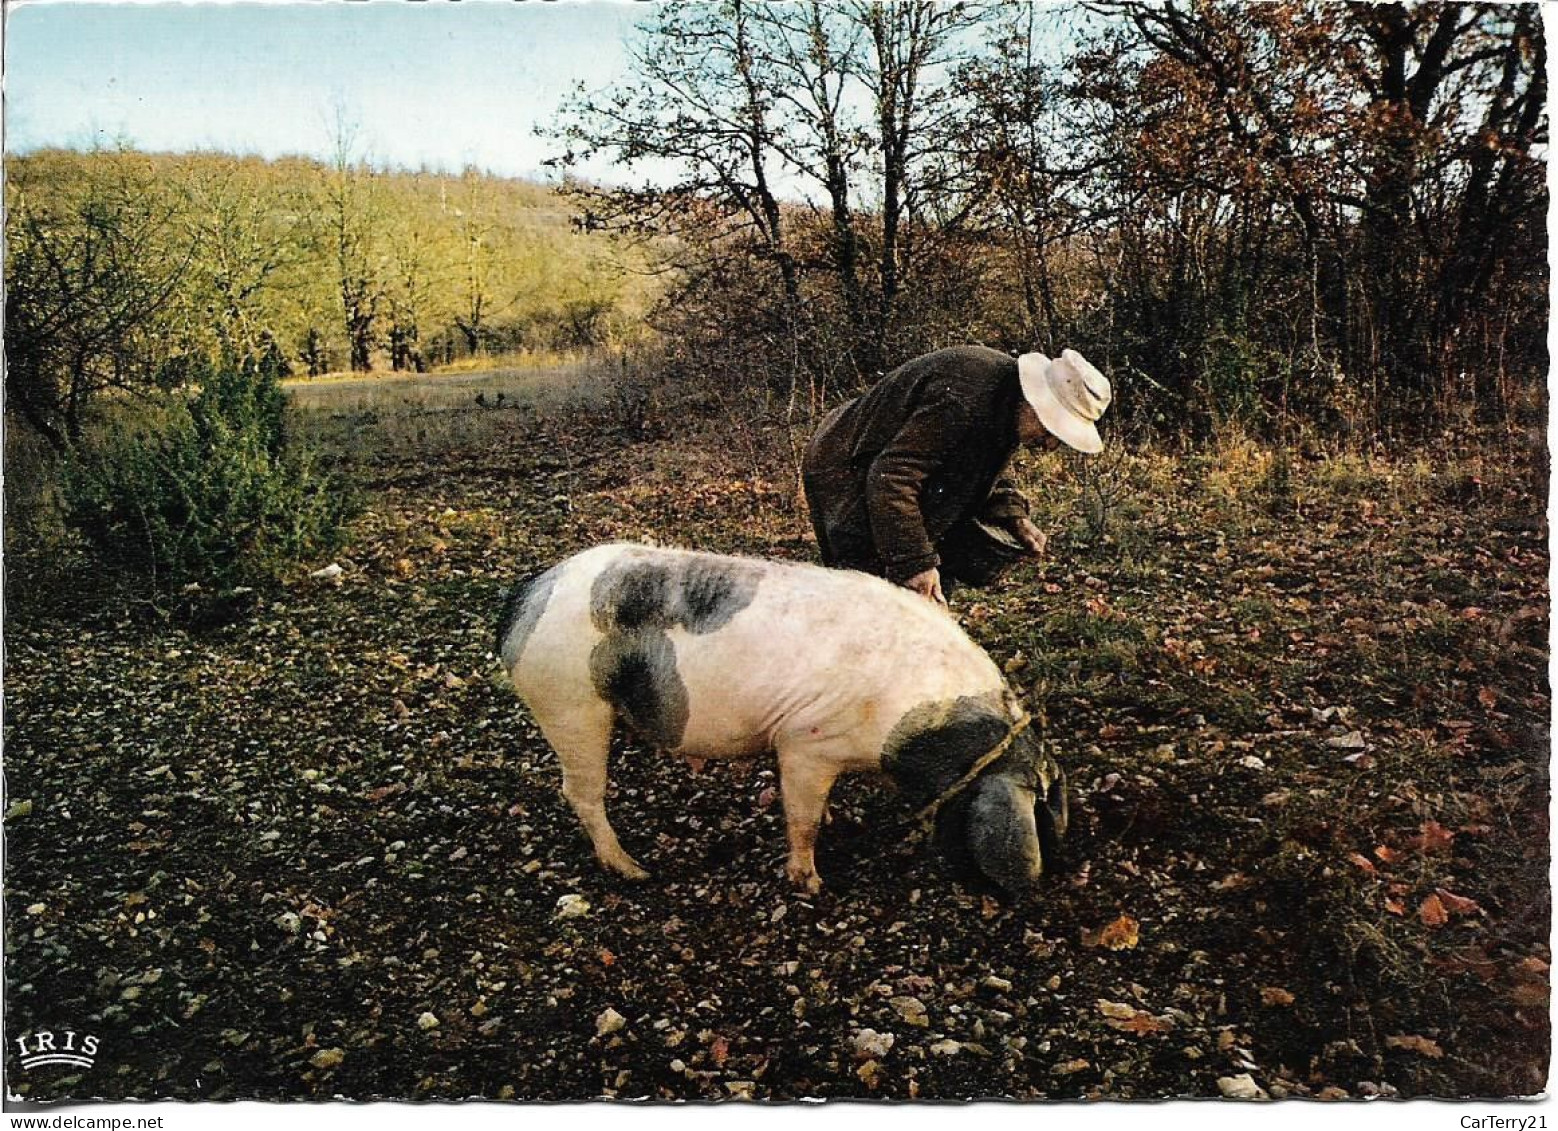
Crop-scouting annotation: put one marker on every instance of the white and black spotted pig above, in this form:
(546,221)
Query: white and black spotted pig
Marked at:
(713,657)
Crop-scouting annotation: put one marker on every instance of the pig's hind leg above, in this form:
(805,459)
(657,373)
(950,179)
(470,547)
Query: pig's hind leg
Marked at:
(582,739)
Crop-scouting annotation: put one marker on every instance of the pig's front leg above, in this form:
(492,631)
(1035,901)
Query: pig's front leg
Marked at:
(806,773)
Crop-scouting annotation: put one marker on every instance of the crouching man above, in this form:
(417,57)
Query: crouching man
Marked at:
(909,481)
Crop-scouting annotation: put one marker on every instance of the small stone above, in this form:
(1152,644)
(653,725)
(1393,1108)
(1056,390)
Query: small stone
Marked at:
(1352,740)
(946,1048)
(1241,1087)
(871,1045)
(992,982)
(572,906)
(427,1021)
(327,1058)
(609,1021)
(911,1009)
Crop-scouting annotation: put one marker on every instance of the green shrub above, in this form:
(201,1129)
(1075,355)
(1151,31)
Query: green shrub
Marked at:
(207,490)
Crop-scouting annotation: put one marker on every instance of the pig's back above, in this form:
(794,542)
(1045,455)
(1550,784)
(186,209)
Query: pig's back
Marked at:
(754,648)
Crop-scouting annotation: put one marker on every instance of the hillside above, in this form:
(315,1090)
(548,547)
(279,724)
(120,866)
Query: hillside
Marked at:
(411,270)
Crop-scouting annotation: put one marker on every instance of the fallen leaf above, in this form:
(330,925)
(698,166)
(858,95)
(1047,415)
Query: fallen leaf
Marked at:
(1122,934)
(1473,960)
(1457,904)
(1431,911)
(719,1051)
(1433,838)
(1143,1024)
(1488,698)
(1275,995)
(1421,1045)
(1234,881)
(327,1058)
(1529,993)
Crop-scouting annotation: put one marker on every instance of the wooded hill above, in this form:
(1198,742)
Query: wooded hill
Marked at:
(128,264)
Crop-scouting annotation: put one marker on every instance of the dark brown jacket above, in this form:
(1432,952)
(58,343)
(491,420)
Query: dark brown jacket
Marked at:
(890,473)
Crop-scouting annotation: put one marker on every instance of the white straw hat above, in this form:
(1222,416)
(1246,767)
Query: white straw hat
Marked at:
(1068,395)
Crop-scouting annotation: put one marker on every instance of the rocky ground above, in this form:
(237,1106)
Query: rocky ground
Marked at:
(302,846)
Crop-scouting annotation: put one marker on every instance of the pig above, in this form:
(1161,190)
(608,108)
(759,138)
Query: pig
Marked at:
(708,656)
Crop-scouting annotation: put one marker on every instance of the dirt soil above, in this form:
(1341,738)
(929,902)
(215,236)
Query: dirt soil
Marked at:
(302,846)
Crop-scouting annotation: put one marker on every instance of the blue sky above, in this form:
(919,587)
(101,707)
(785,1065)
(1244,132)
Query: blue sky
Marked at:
(432,83)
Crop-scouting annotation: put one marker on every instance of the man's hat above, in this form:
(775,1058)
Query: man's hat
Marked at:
(1068,395)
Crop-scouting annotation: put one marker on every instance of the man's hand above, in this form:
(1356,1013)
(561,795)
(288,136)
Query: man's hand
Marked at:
(1030,536)
(927,584)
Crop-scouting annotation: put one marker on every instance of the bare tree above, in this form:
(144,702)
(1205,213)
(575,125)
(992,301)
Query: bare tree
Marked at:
(244,242)
(91,272)
(699,119)
(350,230)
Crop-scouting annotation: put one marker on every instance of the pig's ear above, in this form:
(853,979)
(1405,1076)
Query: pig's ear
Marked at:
(1055,797)
(1052,827)
(1002,834)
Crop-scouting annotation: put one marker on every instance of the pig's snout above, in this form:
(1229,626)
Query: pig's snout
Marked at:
(1015,830)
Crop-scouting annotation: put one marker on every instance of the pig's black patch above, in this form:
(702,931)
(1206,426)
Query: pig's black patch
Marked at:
(521,610)
(713,591)
(630,596)
(636,673)
(635,602)
(934,744)
(697,594)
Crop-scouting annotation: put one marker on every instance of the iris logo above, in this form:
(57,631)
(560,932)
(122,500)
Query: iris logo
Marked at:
(46,1047)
